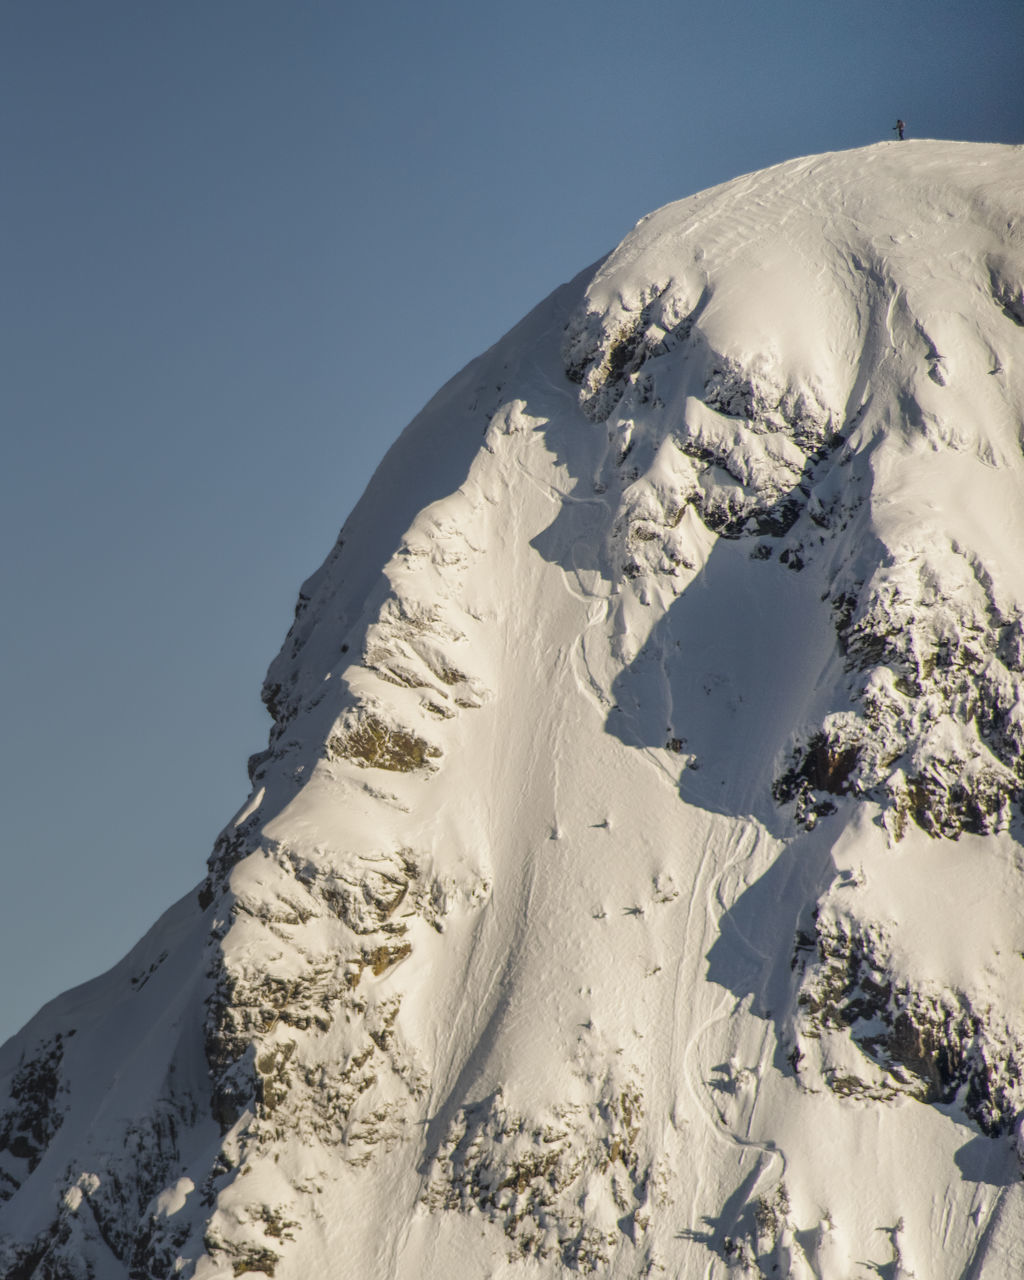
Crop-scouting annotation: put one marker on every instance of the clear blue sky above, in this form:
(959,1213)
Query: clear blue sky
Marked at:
(241,243)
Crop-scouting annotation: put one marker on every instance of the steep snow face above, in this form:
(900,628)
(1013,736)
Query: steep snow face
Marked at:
(633,881)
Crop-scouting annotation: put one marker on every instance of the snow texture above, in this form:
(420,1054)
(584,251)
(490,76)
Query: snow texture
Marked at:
(633,881)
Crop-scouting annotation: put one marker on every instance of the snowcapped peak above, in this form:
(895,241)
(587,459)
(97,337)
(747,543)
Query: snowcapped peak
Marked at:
(632,882)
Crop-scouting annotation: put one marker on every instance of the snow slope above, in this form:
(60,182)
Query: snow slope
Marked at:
(633,882)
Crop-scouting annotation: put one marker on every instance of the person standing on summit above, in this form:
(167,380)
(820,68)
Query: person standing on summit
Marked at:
(899,126)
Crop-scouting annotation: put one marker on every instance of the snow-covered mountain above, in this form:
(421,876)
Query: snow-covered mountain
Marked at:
(634,881)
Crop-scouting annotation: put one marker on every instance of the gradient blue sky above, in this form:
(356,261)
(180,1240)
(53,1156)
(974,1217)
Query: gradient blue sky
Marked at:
(242,243)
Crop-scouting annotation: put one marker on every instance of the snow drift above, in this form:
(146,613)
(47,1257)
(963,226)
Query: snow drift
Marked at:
(633,880)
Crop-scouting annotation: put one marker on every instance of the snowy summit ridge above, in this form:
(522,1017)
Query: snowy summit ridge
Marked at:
(633,882)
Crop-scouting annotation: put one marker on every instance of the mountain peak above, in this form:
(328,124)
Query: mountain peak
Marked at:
(632,882)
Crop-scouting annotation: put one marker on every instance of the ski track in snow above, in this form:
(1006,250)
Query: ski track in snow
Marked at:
(704,913)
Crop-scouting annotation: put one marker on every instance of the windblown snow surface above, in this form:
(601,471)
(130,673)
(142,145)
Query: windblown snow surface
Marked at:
(633,883)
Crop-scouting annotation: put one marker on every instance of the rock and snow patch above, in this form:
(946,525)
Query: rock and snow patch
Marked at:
(565,1185)
(866,1032)
(936,680)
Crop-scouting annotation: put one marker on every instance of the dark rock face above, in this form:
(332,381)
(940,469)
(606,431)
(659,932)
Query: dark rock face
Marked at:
(935,736)
(34,1113)
(251,1065)
(115,1210)
(935,1046)
(818,771)
(377,745)
(521,1176)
